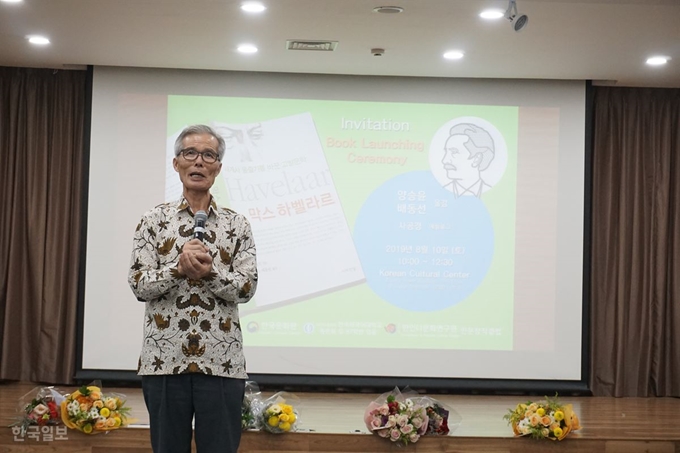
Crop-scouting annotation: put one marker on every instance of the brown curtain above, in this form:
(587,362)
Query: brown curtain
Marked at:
(635,296)
(41,158)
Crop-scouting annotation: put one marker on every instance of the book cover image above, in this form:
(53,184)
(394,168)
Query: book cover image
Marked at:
(275,172)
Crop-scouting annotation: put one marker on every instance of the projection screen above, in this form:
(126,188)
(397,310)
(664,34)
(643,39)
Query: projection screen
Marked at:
(408,227)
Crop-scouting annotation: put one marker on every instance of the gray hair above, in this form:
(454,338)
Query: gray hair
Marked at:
(480,142)
(200,129)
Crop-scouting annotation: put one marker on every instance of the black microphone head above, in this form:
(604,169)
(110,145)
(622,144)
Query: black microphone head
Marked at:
(199,224)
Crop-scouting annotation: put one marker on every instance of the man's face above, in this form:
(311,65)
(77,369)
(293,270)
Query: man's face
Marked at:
(456,160)
(197,175)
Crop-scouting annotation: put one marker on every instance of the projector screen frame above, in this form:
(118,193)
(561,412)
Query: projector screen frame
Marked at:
(361,383)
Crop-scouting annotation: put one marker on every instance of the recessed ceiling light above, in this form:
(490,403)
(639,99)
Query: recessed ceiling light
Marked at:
(247,48)
(253,7)
(657,61)
(12,1)
(388,9)
(38,40)
(491,14)
(453,55)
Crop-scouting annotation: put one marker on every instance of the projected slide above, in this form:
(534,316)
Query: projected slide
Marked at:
(405,227)
(375,223)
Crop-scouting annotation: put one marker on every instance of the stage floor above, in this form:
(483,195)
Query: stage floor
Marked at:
(617,424)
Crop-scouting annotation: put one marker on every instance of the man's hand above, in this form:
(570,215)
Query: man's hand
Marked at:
(194,262)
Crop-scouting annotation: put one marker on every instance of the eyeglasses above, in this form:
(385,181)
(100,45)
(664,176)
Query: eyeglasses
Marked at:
(209,157)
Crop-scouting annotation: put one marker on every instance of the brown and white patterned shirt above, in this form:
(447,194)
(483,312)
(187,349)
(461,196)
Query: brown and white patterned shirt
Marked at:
(192,326)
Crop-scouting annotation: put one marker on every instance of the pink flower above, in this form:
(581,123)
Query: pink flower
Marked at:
(383,432)
(376,423)
(406,429)
(394,435)
(423,429)
(384,410)
(414,437)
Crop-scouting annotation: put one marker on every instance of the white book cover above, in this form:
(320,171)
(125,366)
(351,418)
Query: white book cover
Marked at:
(275,173)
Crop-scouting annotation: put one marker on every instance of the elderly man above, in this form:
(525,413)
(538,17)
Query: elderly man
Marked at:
(191,278)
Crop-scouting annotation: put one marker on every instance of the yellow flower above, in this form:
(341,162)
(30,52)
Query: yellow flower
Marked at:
(87,429)
(285,426)
(557,431)
(540,412)
(284,417)
(287,409)
(291,418)
(117,421)
(104,412)
(273,420)
(559,415)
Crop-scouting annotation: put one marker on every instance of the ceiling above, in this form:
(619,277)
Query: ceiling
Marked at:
(606,41)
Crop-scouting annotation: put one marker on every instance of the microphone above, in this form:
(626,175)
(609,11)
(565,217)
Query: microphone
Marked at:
(199,225)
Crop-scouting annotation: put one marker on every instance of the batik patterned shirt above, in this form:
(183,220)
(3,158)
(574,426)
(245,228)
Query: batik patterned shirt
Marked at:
(192,326)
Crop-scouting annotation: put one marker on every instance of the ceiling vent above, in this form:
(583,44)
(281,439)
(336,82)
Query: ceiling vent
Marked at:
(298,44)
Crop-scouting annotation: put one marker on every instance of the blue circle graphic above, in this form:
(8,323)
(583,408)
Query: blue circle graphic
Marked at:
(421,248)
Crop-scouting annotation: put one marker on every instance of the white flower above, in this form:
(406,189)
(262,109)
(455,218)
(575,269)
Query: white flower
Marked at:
(409,402)
(402,407)
(73,408)
(40,409)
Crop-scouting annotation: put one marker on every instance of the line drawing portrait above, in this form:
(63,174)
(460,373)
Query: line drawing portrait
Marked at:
(468,156)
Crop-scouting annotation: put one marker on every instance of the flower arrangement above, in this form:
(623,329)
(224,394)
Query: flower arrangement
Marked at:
(39,407)
(88,410)
(396,418)
(277,415)
(438,419)
(547,419)
(250,405)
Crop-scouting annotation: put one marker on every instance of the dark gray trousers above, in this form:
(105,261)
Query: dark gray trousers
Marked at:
(173,401)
